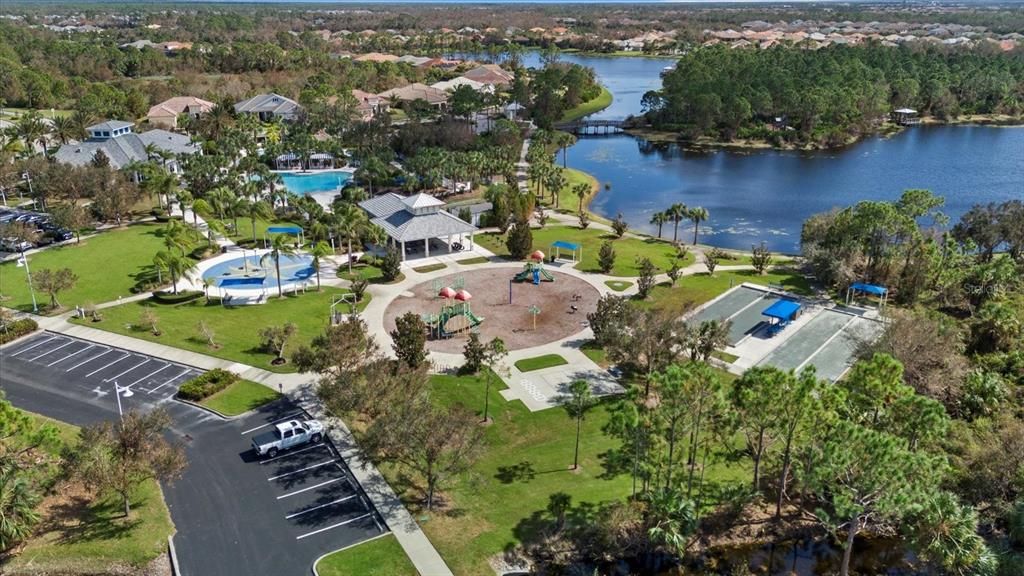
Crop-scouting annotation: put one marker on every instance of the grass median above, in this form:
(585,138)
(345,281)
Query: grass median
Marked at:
(235,329)
(240,397)
(540,362)
(379,557)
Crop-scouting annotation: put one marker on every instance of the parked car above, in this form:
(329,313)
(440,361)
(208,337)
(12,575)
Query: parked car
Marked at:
(287,435)
(15,245)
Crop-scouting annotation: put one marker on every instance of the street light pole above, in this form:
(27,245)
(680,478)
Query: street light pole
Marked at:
(28,275)
(117,392)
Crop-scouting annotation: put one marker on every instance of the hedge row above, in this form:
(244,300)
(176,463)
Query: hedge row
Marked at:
(17,329)
(179,298)
(207,385)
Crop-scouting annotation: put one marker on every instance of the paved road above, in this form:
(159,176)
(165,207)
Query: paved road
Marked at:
(234,514)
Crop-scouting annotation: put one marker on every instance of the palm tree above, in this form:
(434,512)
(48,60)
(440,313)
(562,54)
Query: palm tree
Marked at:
(31,129)
(581,190)
(676,212)
(671,518)
(319,250)
(17,506)
(698,215)
(175,264)
(65,128)
(281,244)
(200,206)
(564,140)
(351,224)
(177,236)
(659,219)
(257,210)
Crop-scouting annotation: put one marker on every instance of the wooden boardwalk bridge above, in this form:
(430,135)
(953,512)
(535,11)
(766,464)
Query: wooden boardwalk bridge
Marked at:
(592,127)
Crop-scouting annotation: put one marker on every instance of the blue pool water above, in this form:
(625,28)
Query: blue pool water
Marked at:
(314,182)
(261,272)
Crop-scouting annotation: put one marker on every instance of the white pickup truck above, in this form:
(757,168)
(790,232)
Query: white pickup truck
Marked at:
(287,435)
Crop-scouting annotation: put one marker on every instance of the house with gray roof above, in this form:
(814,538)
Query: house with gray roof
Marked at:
(117,141)
(269,106)
(415,219)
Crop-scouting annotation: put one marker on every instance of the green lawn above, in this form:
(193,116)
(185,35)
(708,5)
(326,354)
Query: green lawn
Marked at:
(240,397)
(379,557)
(540,362)
(430,268)
(108,265)
(627,250)
(502,499)
(602,101)
(236,329)
(596,354)
(618,285)
(476,260)
(370,273)
(568,201)
(94,538)
(245,227)
(699,288)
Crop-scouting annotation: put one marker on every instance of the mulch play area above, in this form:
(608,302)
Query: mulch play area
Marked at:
(512,323)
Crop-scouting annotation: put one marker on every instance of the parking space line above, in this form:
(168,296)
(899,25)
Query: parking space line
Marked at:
(187,370)
(36,345)
(71,355)
(145,360)
(315,486)
(338,501)
(87,360)
(157,371)
(333,526)
(285,419)
(272,478)
(269,460)
(126,354)
(65,345)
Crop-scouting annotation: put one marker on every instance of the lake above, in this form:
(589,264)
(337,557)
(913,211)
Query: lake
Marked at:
(765,195)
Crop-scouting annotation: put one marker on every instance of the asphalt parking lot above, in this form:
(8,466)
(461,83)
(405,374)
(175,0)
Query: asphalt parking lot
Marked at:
(234,512)
(91,371)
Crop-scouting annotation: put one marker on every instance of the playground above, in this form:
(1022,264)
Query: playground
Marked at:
(552,309)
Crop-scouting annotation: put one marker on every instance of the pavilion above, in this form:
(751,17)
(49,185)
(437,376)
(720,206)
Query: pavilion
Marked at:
(780,314)
(417,218)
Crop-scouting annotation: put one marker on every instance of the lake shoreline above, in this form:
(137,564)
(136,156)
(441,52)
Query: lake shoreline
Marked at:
(885,131)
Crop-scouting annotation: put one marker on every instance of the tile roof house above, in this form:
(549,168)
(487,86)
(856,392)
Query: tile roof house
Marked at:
(451,85)
(369,105)
(416,218)
(166,113)
(269,106)
(490,74)
(376,57)
(122,146)
(417,91)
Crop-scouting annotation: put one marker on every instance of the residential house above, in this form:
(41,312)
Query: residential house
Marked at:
(451,85)
(117,141)
(490,74)
(416,91)
(269,106)
(167,112)
(376,57)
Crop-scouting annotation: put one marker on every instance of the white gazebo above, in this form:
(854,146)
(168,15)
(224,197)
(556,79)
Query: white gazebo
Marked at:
(417,218)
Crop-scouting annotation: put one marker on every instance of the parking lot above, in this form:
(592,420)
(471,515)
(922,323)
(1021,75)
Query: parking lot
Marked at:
(94,370)
(314,490)
(234,512)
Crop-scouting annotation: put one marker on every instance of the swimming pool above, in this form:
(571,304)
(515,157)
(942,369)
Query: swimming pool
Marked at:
(313,182)
(259,271)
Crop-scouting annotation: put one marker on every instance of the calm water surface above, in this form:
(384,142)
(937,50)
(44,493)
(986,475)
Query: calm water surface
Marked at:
(766,195)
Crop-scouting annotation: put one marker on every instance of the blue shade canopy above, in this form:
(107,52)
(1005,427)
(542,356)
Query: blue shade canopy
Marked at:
(783,310)
(869,288)
(226,282)
(293,230)
(566,245)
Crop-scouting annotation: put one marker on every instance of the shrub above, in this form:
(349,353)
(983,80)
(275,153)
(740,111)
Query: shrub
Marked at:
(391,264)
(358,287)
(16,329)
(584,220)
(520,240)
(646,281)
(606,257)
(712,258)
(760,258)
(181,297)
(619,226)
(206,385)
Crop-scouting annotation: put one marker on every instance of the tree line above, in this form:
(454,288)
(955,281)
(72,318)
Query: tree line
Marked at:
(826,97)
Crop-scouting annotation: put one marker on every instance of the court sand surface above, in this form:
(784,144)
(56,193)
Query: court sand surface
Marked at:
(742,306)
(829,342)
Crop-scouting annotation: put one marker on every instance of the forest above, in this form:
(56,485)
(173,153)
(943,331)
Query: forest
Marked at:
(828,97)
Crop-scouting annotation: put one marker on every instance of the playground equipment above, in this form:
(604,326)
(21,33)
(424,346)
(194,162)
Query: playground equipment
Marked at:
(534,270)
(456,306)
(339,299)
